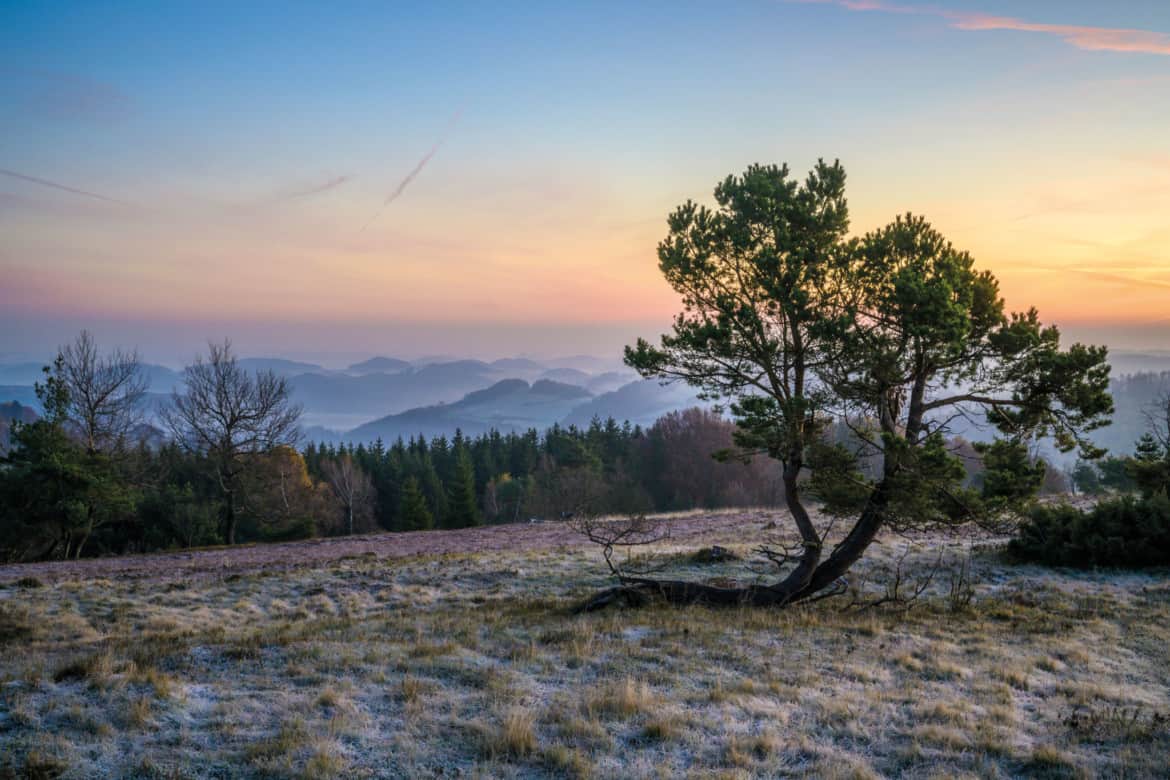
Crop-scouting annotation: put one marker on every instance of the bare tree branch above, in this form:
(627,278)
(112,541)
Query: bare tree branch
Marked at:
(105,393)
(231,417)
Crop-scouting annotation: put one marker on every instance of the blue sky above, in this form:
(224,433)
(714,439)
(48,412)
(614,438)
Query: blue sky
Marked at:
(254,140)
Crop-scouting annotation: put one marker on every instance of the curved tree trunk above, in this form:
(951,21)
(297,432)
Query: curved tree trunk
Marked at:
(851,548)
(804,579)
(804,582)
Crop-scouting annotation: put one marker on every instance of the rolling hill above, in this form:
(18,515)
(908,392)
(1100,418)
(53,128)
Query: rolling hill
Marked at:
(508,405)
(640,402)
(380,365)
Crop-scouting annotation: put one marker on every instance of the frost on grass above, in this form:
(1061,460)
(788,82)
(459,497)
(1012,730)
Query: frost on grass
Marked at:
(473,663)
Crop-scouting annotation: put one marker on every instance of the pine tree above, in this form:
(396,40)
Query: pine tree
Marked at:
(432,487)
(1149,449)
(1149,468)
(414,514)
(462,507)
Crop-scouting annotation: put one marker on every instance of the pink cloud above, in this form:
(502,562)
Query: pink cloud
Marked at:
(1088,38)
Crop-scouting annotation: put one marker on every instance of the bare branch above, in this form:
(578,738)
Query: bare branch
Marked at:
(105,393)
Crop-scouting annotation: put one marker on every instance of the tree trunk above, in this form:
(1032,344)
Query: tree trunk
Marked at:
(229,519)
(799,578)
(798,584)
(89,511)
(80,544)
(851,548)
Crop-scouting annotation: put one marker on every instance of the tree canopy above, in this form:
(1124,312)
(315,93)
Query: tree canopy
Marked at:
(796,325)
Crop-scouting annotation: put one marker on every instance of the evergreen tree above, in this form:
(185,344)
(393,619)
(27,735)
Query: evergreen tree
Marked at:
(1150,466)
(462,506)
(414,515)
(53,493)
(1115,474)
(792,323)
(387,473)
(432,486)
(1086,478)
(1009,473)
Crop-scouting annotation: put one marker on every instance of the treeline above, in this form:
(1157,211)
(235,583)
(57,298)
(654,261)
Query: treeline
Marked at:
(508,477)
(92,477)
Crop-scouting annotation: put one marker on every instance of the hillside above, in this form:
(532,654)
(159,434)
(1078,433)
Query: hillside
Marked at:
(365,393)
(522,368)
(454,653)
(334,399)
(379,365)
(386,395)
(514,405)
(280,366)
(509,405)
(641,402)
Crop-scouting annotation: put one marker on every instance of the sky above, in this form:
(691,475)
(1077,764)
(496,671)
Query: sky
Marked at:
(486,179)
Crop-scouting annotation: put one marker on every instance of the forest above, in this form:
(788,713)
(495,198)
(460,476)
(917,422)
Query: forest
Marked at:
(92,477)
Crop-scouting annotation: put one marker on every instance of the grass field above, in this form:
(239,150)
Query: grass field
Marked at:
(470,664)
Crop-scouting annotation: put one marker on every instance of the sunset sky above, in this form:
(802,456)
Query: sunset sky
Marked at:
(176,172)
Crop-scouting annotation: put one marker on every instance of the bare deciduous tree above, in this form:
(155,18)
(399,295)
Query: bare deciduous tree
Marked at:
(353,489)
(232,417)
(1158,420)
(105,393)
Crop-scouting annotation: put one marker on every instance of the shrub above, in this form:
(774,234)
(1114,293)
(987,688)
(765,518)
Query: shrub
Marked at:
(16,624)
(1126,532)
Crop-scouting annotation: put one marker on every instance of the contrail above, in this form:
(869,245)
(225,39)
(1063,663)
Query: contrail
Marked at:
(62,187)
(415,172)
(335,182)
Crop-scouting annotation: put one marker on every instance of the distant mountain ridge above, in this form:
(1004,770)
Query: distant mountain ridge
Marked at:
(389,396)
(508,405)
(515,405)
(517,364)
(281,367)
(640,402)
(380,365)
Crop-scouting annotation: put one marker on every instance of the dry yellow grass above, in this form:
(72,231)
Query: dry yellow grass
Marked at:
(474,664)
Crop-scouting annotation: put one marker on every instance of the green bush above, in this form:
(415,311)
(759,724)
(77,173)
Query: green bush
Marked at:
(1126,532)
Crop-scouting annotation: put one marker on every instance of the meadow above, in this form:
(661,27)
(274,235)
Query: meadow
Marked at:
(395,656)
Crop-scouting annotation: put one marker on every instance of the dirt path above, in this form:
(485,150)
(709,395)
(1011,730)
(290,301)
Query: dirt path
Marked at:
(223,561)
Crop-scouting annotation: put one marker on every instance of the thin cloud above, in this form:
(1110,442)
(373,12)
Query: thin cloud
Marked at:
(64,188)
(1103,276)
(1088,38)
(56,96)
(1123,200)
(333,183)
(414,172)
